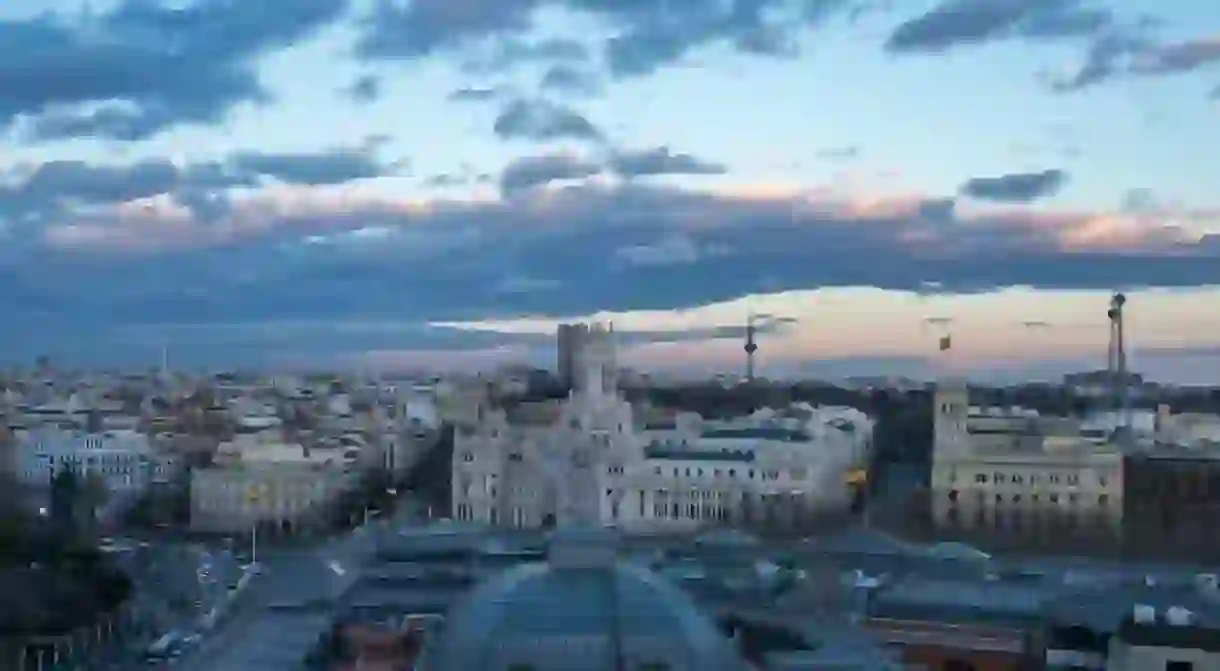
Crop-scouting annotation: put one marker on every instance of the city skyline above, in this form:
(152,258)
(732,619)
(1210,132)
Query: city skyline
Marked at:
(851,167)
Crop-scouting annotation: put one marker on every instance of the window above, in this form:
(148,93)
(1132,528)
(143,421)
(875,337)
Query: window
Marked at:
(953,495)
(467,457)
(958,665)
(981,478)
(1179,666)
(999,477)
(1103,500)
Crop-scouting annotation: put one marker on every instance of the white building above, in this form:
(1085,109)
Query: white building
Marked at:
(1015,470)
(254,481)
(584,461)
(122,462)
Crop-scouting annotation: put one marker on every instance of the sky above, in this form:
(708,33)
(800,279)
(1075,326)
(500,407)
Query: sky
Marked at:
(438,183)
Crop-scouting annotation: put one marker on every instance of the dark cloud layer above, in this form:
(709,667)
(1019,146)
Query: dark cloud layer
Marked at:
(585,247)
(141,68)
(1022,187)
(58,188)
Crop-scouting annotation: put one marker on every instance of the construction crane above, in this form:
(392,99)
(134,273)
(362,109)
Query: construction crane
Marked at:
(1116,360)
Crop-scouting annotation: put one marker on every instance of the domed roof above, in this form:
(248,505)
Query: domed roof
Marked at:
(580,613)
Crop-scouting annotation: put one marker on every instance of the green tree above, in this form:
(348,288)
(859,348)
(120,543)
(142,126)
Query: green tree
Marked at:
(94,495)
(65,497)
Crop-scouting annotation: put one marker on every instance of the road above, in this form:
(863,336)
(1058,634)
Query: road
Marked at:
(175,583)
(292,575)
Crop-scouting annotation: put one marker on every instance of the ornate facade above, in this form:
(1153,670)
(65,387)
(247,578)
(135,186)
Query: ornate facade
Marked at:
(589,462)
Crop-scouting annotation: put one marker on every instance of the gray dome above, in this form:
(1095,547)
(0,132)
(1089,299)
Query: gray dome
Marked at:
(580,617)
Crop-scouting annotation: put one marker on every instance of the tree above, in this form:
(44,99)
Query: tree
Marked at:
(65,496)
(94,495)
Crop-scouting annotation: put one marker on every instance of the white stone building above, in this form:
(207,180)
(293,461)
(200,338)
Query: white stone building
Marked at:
(122,462)
(284,487)
(585,462)
(1014,470)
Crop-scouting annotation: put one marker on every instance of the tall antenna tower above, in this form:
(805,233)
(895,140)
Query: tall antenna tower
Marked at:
(751,346)
(1116,361)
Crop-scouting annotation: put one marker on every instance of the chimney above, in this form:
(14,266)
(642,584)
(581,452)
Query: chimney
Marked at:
(1179,616)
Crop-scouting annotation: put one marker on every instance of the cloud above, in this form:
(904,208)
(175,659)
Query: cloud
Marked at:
(69,188)
(443,257)
(1134,53)
(671,250)
(365,89)
(570,80)
(262,238)
(140,68)
(1116,47)
(654,35)
(493,36)
(953,23)
(660,161)
(398,31)
(507,54)
(1023,187)
(543,121)
(533,171)
(474,95)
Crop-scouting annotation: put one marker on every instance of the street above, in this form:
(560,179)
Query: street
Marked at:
(176,584)
(291,575)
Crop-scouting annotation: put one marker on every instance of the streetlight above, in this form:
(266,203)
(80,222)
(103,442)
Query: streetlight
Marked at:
(253,495)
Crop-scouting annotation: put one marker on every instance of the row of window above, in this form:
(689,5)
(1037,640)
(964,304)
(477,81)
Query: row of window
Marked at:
(1053,497)
(244,505)
(113,478)
(1071,479)
(794,474)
